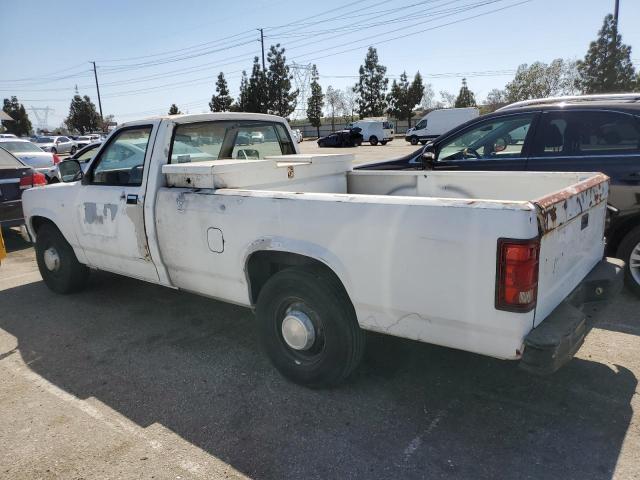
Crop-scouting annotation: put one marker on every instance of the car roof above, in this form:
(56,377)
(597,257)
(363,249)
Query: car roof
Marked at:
(14,139)
(629,102)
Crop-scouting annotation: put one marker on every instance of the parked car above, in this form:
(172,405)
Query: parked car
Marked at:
(488,262)
(83,140)
(297,135)
(32,155)
(350,137)
(15,178)
(7,135)
(582,133)
(58,144)
(437,122)
(374,130)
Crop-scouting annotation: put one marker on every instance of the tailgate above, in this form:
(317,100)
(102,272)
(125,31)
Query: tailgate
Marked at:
(571,223)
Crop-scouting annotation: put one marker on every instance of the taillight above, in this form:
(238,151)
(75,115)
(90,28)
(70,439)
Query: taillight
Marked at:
(56,159)
(36,179)
(517,274)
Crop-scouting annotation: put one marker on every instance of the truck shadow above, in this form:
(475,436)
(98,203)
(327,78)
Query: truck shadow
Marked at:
(413,410)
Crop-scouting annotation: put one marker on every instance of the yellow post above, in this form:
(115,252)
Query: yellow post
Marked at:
(3,251)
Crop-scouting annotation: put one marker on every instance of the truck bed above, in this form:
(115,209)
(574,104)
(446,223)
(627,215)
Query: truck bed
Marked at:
(415,250)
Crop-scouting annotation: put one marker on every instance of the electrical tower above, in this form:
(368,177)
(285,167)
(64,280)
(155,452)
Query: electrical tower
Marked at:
(42,116)
(302,82)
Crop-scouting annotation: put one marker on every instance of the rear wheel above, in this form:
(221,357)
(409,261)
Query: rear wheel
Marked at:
(373,140)
(57,262)
(414,140)
(383,142)
(629,251)
(308,327)
(423,142)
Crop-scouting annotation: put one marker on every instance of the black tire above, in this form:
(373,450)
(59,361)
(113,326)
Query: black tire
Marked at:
(54,180)
(423,142)
(413,140)
(359,142)
(70,275)
(54,150)
(373,140)
(383,142)
(73,150)
(630,245)
(339,342)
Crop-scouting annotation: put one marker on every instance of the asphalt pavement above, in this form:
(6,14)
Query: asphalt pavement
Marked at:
(131,380)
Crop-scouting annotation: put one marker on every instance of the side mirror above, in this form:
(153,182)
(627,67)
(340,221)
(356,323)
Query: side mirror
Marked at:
(428,156)
(70,170)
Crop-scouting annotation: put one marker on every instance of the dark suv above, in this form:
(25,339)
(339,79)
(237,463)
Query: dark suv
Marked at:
(595,133)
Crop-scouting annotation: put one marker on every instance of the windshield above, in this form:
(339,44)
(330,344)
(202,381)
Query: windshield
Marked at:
(8,160)
(44,140)
(21,147)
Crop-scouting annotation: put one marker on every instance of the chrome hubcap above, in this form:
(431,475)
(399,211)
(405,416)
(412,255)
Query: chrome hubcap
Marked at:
(634,263)
(297,330)
(51,259)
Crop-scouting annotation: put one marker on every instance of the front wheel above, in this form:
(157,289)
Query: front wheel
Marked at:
(629,251)
(414,140)
(308,327)
(57,261)
(54,150)
(373,140)
(73,150)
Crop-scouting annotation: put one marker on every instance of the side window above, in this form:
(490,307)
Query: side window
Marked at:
(63,139)
(122,162)
(241,140)
(501,137)
(588,133)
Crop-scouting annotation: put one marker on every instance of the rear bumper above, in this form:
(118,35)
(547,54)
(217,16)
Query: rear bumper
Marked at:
(556,340)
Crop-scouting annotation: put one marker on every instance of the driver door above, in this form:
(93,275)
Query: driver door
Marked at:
(500,143)
(109,213)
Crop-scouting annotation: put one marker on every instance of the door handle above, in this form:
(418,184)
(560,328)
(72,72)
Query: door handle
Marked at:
(132,199)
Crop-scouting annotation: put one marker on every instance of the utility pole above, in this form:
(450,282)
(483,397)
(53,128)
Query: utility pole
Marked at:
(95,74)
(615,12)
(262,43)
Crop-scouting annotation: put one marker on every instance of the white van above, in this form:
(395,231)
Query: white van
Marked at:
(374,131)
(437,122)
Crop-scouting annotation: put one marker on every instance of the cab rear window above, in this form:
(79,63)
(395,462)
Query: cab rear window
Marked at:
(221,140)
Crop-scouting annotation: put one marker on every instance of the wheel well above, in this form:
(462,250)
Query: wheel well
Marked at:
(38,222)
(262,265)
(620,231)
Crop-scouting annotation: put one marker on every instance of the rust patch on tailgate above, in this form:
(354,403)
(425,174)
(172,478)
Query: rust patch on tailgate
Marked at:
(558,208)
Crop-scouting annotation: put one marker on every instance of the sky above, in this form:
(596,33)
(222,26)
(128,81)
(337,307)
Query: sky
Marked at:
(150,54)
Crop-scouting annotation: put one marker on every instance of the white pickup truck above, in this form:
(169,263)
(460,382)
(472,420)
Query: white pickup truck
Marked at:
(489,262)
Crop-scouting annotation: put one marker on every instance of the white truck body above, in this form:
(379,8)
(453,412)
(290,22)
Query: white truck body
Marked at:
(414,250)
(375,131)
(437,122)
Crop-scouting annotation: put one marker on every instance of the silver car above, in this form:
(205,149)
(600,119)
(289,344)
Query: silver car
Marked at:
(32,155)
(58,144)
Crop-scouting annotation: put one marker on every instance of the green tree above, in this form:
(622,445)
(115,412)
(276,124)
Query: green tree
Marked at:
(371,86)
(82,115)
(174,110)
(404,97)
(282,101)
(21,124)
(607,66)
(316,101)
(221,101)
(541,80)
(256,91)
(241,103)
(465,96)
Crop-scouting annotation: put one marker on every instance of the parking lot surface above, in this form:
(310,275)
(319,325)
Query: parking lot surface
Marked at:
(365,152)
(131,380)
